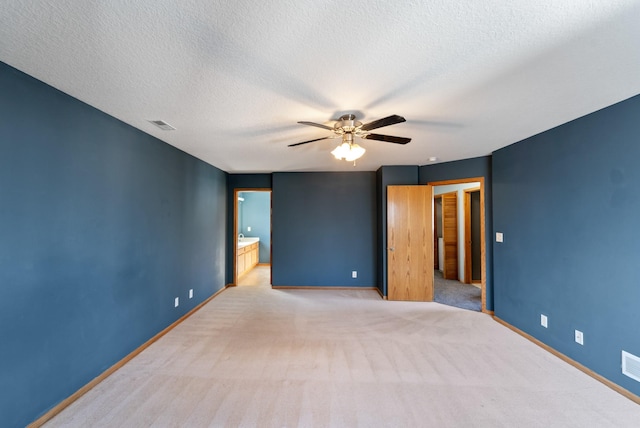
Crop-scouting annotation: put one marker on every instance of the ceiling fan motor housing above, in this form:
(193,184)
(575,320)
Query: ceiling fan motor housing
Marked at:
(347,124)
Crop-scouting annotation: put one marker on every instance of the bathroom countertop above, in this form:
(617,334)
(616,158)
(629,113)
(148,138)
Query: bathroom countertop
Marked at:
(243,242)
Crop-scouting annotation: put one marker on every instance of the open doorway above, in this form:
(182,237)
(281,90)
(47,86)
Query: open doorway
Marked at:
(460,276)
(252,228)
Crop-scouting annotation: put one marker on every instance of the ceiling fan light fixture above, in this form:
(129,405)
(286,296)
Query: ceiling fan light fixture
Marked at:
(348,152)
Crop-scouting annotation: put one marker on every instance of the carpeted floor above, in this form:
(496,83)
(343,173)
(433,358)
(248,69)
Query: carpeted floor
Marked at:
(456,293)
(254,356)
(258,276)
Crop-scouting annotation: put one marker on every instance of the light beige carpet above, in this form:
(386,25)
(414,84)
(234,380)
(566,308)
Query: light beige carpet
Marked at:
(304,358)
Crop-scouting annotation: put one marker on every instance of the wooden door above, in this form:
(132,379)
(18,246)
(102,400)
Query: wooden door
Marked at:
(467,237)
(450,235)
(437,233)
(410,243)
(476,247)
(472,250)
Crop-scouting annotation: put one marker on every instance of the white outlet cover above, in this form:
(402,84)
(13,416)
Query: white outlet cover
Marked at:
(499,237)
(248,228)
(544,321)
(191,293)
(177,302)
(579,337)
(354,274)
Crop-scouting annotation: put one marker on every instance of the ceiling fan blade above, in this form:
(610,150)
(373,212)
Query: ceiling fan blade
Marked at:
(387,138)
(386,121)
(310,141)
(319,125)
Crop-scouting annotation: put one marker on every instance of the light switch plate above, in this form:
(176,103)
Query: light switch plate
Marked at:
(499,237)
(176,302)
(248,228)
(191,293)
(544,321)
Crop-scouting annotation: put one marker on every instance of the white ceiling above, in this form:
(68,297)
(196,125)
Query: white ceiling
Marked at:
(234,77)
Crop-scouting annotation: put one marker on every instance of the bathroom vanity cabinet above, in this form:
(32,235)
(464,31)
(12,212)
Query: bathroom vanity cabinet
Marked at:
(248,256)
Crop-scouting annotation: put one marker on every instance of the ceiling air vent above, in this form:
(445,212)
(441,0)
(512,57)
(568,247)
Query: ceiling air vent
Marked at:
(162,125)
(631,365)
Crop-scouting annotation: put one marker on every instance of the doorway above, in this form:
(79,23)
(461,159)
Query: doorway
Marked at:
(461,283)
(252,229)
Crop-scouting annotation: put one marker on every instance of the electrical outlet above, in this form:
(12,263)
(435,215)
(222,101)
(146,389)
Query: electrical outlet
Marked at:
(544,321)
(191,293)
(354,274)
(499,237)
(248,228)
(177,302)
(579,337)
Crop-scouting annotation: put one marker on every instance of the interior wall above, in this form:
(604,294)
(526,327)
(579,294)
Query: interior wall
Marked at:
(459,189)
(469,168)
(324,227)
(102,227)
(567,202)
(255,213)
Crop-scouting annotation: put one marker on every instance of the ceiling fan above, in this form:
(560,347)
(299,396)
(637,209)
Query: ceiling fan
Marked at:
(347,127)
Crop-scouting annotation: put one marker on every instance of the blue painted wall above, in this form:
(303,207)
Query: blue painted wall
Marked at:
(568,203)
(470,168)
(234,182)
(256,213)
(101,227)
(249,181)
(387,176)
(324,226)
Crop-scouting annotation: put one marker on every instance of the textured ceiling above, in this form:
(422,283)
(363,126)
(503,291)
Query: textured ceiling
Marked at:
(234,77)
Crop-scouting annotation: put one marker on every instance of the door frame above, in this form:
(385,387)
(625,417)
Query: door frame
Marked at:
(235,229)
(483,238)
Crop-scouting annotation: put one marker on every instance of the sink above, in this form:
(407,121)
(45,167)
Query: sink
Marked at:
(247,240)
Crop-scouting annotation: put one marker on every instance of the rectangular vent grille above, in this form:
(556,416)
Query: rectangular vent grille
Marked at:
(631,365)
(162,125)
